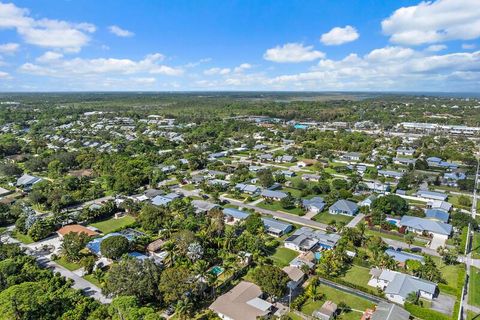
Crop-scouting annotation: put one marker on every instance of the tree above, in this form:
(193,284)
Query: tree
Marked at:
(390,204)
(413,298)
(409,239)
(72,244)
(287,202)
(449,256)
(464,200)
(133,277)
(129,308)
(151,218)
(88,263)
(175,284)
(254,223)
(114,247)
(271,279)
(265,178)
(41,229)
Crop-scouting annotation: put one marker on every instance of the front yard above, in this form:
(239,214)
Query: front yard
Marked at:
(325,217)
(72,266)
(474,290)
(276,206)
(112,224)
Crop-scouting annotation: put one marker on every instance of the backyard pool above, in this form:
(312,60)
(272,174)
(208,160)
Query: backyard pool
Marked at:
(217,270)
(318,255)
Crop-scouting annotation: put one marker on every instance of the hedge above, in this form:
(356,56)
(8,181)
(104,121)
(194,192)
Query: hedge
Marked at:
(425,314)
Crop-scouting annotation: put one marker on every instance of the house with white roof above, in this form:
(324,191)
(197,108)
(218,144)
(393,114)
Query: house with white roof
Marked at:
(432,195)
(426,226)
(306,239)
(273,195)
(315,204)
(345,207)
(397,286)
(27,181)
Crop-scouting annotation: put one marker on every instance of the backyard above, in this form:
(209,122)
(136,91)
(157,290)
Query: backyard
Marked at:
(283,256)
(358,276)
(112,224)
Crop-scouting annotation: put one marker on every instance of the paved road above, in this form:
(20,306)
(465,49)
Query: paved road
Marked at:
(79,283)
(403,245)
(280,215)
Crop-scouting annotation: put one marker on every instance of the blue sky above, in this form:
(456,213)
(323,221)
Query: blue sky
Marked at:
(362,45)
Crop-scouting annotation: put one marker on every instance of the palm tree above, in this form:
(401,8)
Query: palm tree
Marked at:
(184,308)
(229,239)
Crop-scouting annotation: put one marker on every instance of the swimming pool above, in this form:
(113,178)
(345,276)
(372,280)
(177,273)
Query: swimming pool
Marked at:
(318,255)
(217,270)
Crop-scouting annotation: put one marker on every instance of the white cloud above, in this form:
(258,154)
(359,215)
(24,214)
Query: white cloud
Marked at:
(144,80)
(9,48)
(215,71)
(468,46)
(436,47)
(48,33)
(4,75)
(242,67)
(116,30)
(339,35)
(390,68)
(52,64)
(292,52)
(433,22)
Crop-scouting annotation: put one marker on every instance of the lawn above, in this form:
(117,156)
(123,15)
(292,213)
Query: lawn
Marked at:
(72,266)
(453,275)
(276,206)
(358,275)
(189,187)
(283,256)
(338,296)
(325,217)
(453,199)
(112,224)
(90,278)
(23,238)
(471,315)
(474,290)
(476,245)
(416,243)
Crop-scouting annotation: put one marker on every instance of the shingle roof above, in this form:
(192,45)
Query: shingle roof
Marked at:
(345,206)
(273,194)
(437,214)
(390,311)
(401,256)
(426,225)
(235,213)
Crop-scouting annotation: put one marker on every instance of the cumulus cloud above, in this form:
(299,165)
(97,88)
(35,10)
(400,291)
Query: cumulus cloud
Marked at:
(293,53)
(436,47)
(339,35)
(468,46)
(4,75)
(48,33)
(433,22)
(116,30)
(242,67)
(9,48)
(394,68)
(215,71)
(52,64)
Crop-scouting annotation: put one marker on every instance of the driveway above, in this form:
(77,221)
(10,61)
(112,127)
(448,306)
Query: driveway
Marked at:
(437,242)
(444,304)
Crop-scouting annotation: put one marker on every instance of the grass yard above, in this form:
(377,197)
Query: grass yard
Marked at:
(276,206)
(90,278)
(23,238)
(416,243)
(112,224)
(294,192)
(338,296)
(474,290)
(453,275)
(283,256)
(476,245)
(189,187)
(358,275)
(325,217)
(453,199)
(72,266)
(470,315)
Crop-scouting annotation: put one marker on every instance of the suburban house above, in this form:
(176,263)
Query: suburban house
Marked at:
(451,178)
(437,214)
(397,286)
(368,201)
(438,204)
(351,156)
(4,192)
(296,276)
(233,215)
(438,162)
(306,239)
(76,228)
(273,195)
(401,257)
(306,163)
(404,161)
(203,206)
(276,228)
(315,205)
(391,174)
(311,177)
(285,159)
(426,226)
(286,173)
(304,259)
(260,147)
(243,302)
(326,312)
(431,195)
(248,188)
(27,181)
(94,245)
(402,151)
(344,207)
(386,311)
(375,186)
(265,157)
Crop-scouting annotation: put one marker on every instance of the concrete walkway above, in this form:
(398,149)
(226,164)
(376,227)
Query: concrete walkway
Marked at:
(356,220)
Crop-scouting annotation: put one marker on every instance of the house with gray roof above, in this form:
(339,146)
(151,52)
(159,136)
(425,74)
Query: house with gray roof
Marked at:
(273,195)
(307,239)
(233,215)
(438,204)
(27,181)
(404,161)
(397,286)
(437,214)
(391,174)
(311,177)
(431,195)
(345,207)
(351,156)
(203,206)
(402,151)
(389,311)
(265,157)
(285,159)
(401,256)
(248,188)
(423,225)
(275,227)
(315,204)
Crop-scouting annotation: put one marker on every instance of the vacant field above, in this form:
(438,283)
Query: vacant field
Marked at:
(325,217)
